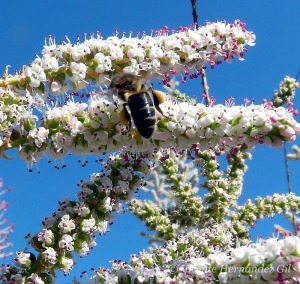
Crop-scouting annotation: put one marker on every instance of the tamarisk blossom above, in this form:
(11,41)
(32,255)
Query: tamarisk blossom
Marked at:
(74,226)
(95,60)
(6,231)
(95,128)
(187,260)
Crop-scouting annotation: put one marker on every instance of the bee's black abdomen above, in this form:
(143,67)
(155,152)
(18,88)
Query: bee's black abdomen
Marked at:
(143,113)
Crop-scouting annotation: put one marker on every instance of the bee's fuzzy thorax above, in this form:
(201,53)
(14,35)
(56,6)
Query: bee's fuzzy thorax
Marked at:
(140,100)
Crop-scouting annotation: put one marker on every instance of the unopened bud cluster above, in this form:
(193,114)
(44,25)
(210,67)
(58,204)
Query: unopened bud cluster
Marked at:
(286,92)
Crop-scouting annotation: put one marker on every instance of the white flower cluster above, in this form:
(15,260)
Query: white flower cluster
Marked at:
(267,261)
(72,228)
(167,52)
(96,128)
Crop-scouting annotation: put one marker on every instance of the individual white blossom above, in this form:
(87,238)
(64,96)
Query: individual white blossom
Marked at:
(107,204)
(104,63)
(81,209)
(87,225)
(49,63)
(57,87)
(67,264)
(36,75)
(23,259)
(39,135)
(50,255)
(85,247)
(35,279)
(78,71)
(66,224)
(66,242)
(78,51)
(102,227)
(46,236)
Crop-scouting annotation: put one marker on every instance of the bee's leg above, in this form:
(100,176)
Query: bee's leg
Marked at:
(158,98)
(116,105)
(118,98)
(125,117)
(115,102)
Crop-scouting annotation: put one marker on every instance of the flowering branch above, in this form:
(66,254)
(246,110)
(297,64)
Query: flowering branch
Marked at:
(203,131)
(186,259)
(95,128)
(224,187)
(163,197)
(267,207)
(286,92)
(184,208)
(73,227)
(66,65)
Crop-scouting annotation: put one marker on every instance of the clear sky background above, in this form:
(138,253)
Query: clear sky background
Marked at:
(24,24)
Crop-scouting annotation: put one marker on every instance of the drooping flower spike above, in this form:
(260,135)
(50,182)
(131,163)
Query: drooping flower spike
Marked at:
(94,61)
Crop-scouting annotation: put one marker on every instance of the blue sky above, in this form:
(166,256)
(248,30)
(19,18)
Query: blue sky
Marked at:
(24,24)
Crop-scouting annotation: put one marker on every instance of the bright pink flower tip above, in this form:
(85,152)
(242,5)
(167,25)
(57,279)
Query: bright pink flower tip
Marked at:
(273,119)
(293,262)
(246,101)
(282,254)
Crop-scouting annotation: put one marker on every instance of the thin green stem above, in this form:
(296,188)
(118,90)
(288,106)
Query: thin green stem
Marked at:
(9,81)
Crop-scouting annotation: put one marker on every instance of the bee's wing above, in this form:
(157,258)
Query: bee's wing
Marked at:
(110,95)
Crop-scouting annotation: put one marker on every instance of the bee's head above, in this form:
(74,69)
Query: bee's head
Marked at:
(126,83)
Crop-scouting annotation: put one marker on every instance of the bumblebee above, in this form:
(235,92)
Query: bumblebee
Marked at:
(139,100)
